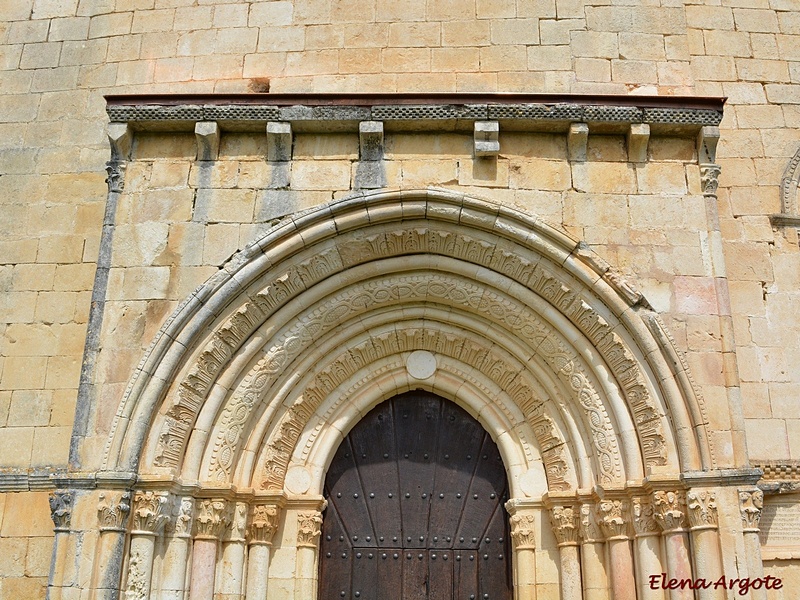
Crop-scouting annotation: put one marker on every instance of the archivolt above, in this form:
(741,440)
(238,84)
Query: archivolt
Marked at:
(566,325)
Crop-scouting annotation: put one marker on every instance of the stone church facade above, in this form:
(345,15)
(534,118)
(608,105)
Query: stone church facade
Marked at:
(363,299)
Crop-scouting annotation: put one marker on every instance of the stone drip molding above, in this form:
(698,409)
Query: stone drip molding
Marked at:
(261,286)
(790,211)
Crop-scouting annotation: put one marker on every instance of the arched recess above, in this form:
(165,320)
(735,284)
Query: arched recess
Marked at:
(310,326)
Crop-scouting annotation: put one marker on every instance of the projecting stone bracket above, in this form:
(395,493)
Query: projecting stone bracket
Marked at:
(577,141)
(486,138)
(638,139)
(707,140)
(207,134)
(279,141)
(370,171)
(120,138)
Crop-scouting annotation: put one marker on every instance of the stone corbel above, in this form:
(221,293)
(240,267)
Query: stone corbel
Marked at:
(370,171)
(486,138)
(577,141)
(638,139)
(120,138)
(707,141)
(207,134)
(279,141)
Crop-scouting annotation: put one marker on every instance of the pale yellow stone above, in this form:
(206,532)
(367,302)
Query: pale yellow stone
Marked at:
(484,172)
(539,174)
(422,173)
(325,175)
(606,178)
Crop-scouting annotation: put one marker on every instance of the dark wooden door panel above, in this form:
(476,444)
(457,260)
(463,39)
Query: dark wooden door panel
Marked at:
(415,507)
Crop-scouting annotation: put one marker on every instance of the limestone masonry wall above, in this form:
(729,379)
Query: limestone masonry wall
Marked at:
(177,221)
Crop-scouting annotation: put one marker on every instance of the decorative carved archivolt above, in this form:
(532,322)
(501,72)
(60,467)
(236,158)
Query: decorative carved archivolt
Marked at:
(507,377)
(112,511)
(191,392)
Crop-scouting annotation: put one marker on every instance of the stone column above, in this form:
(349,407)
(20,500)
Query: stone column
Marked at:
(112,512)
(647,536)
(612,515)
(209,522)
(565,523)
(176,555)
(593,562)
(148,522)
(751,501)
(523,536)
(231,584)
(61,513)
(309,529)
(263,524)
(670,513)
(706,552)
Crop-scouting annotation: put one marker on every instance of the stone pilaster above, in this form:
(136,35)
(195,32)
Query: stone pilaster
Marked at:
(113,509)
(647,545)
(566,527)
(751,503)
(211,518)
(231,584)
(523,537)
(149,515)
(309,529)
(703,524)
(176,556)
(594,574)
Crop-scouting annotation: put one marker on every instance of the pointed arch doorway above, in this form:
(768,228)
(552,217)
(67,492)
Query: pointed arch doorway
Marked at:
(415,507)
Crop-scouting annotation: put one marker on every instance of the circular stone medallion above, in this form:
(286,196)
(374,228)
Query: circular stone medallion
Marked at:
(421,364)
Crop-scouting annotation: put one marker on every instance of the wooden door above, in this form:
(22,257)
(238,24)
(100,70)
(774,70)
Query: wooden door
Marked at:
(415,508)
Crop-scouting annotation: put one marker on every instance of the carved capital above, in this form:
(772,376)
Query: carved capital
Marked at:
(183,513)
(523,531)
(709,179)
(566,524)
(116,176)
(309,528)
(61,509)
(612,515)
(112,511)
(150,512)
(211,518)
(702,509)
(643,517)
(263,523)
(670,510)
(238,525)
(750,504)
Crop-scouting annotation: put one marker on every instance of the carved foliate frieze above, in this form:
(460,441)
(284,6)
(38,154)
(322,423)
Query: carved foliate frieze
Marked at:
(751,503)
(523,531)
(263,523)
(150,512)
(61,509)
(566,524)
(643,517)
(590,529)
(613,517)
(309,528)
(702,506)
(113,510)
(670,510)
(211,518)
